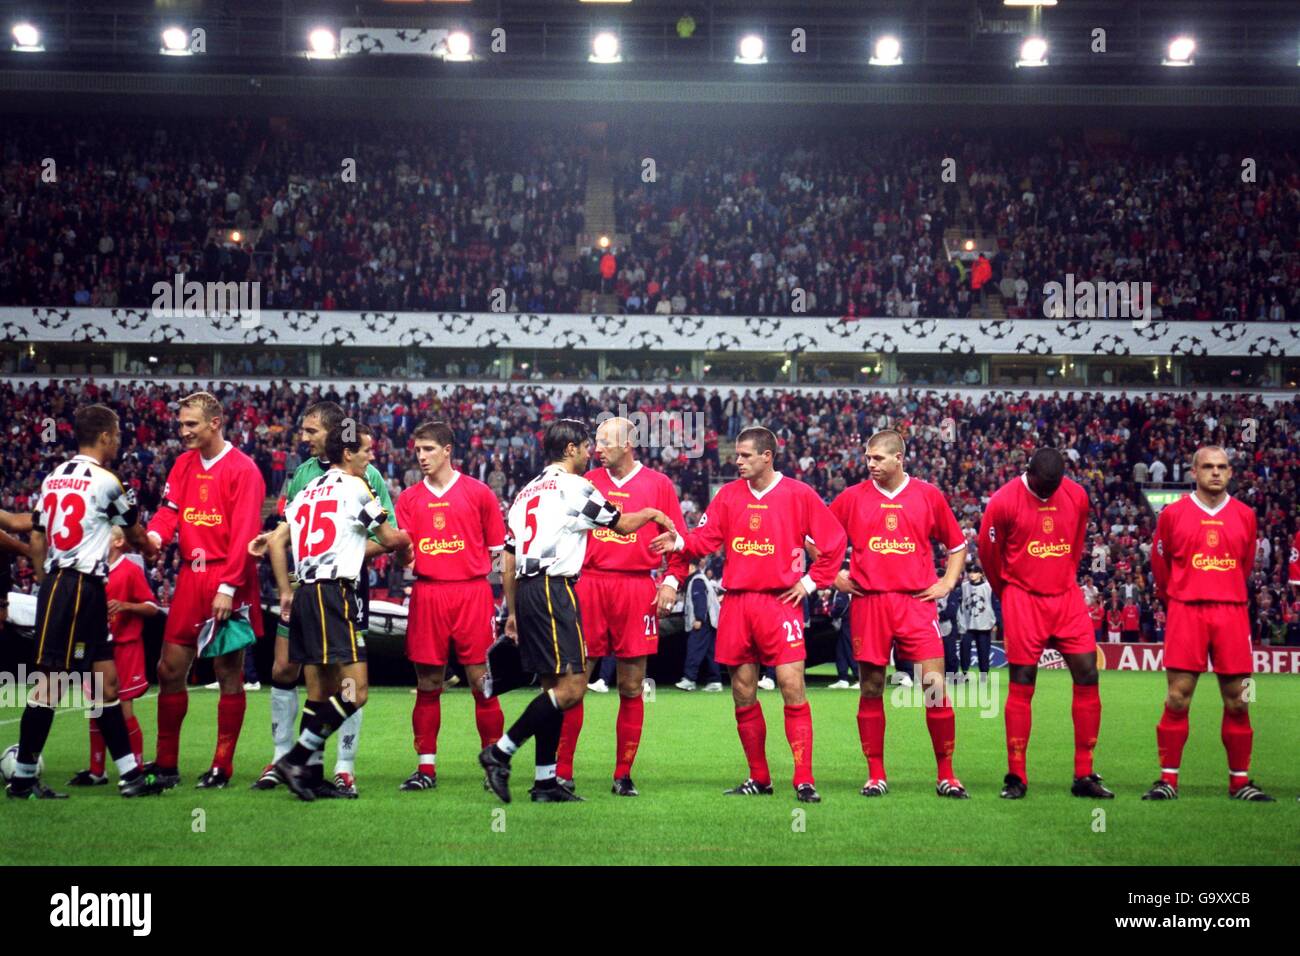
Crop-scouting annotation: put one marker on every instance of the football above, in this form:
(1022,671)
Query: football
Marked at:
(9,763)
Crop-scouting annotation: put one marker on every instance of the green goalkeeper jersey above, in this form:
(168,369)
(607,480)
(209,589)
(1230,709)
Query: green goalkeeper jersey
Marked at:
(313,468)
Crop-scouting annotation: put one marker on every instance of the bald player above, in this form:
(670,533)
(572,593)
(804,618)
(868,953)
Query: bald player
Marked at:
(1202,558)
(619,601)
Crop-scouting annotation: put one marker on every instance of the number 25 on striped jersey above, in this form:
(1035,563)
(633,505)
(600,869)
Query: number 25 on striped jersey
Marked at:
(311,517)
(70,532)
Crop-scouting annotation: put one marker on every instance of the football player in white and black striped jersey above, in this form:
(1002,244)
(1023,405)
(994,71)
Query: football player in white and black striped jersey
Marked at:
(546,541)
(80,502)
(329,523)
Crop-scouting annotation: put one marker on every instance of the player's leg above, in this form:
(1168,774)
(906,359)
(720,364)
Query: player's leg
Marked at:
(488,718)
(1018,717)
(592,596)
(284,705)
(630,722)
(751,727)
(1238,736)
(798,727)
(1171,732)
(132,782)
(334,693)
(33,730)
(426,720)
(231,706)
(1085,712)
(571,726)
(173,702)
(871,726)
(568,691)
(941,722)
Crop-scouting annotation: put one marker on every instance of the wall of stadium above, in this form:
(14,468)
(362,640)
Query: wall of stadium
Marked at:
(1102,337)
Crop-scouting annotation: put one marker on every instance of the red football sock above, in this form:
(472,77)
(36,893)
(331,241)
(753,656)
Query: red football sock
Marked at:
(1171,735)
(171,714)
(753,737)
(96,749)
(230,720)
(426,719)
(136,736)
(489,719)
(942,724)
(1086,711)
(631,718)
(1019,720)
(799,731)
(569,732)
(871,730)
(1237,737)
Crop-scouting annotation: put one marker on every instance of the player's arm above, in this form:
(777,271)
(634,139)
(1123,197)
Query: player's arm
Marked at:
(141,603)
(678,567)
(992,537)
(634,521)
(1248,565)
(394,539)
(38,550)
(15,523)
(828,545)
(125,513)
(705,539)
(279,553)
(141,541)
(948,533)
(379,488)
(494,527)
(245,520)
(842,509)
(508,587)
(162,526)
(12,545)
(1161,554)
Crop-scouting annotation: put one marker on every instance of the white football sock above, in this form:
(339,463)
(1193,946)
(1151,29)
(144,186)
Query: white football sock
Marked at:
(284,714)
(349,734)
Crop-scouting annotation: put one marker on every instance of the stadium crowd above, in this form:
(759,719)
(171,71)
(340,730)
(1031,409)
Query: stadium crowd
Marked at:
(1116,446)
(436,217)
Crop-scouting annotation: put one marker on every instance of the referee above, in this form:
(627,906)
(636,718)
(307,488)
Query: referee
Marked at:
(546,541)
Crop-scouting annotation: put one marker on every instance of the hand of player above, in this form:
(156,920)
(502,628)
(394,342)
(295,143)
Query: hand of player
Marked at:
(114,608)
(286,602)
(512,628)
(794,595)
(939,589)
(663,521)
(222,605)
(845,584)
(665,543)
(260,545)
(665,599)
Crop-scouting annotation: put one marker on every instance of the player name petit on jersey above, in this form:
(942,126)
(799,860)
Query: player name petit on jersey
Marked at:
(79,503)
(329,522)
(454,534)
(891,533)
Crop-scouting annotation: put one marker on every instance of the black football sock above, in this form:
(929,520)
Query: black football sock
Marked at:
(309,740)
(33,731)
(547,743)
(112,726)
(541,710)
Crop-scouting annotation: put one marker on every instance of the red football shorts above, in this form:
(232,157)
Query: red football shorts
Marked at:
(192,603)
(879,618)
(755,627)
(1215,630)
(446,613)
(618,613)
(1032,621)
(129,660)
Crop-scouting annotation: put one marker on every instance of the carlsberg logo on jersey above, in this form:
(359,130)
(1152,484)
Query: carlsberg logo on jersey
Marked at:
(1097,300)
(179,299)
(76,909)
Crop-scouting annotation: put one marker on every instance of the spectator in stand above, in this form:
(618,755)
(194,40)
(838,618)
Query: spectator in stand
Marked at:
(1131,621)
(976,621)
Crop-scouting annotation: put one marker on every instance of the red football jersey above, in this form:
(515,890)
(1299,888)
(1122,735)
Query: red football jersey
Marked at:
(126,582)
(890,534)
(1131,620)
(218,508)
(454,534)
(607,550)
(1033,543)
(763,534)
(1202,554)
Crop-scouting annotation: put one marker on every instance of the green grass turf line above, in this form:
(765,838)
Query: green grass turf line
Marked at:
(689,754)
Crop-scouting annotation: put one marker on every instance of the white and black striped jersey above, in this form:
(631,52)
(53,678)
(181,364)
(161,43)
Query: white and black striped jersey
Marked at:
(80,501)
(548,523)
(329,524)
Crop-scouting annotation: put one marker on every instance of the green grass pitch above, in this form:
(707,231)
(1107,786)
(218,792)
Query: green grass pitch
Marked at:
(689,754)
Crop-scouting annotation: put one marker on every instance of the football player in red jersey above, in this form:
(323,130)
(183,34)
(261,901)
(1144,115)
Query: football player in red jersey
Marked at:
(1030,543)
(456,532)
(891,520)
(764,520)
(1202,559)
(213,496)
(620,603)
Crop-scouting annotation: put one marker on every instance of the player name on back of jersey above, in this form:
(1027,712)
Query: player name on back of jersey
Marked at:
(67,484)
